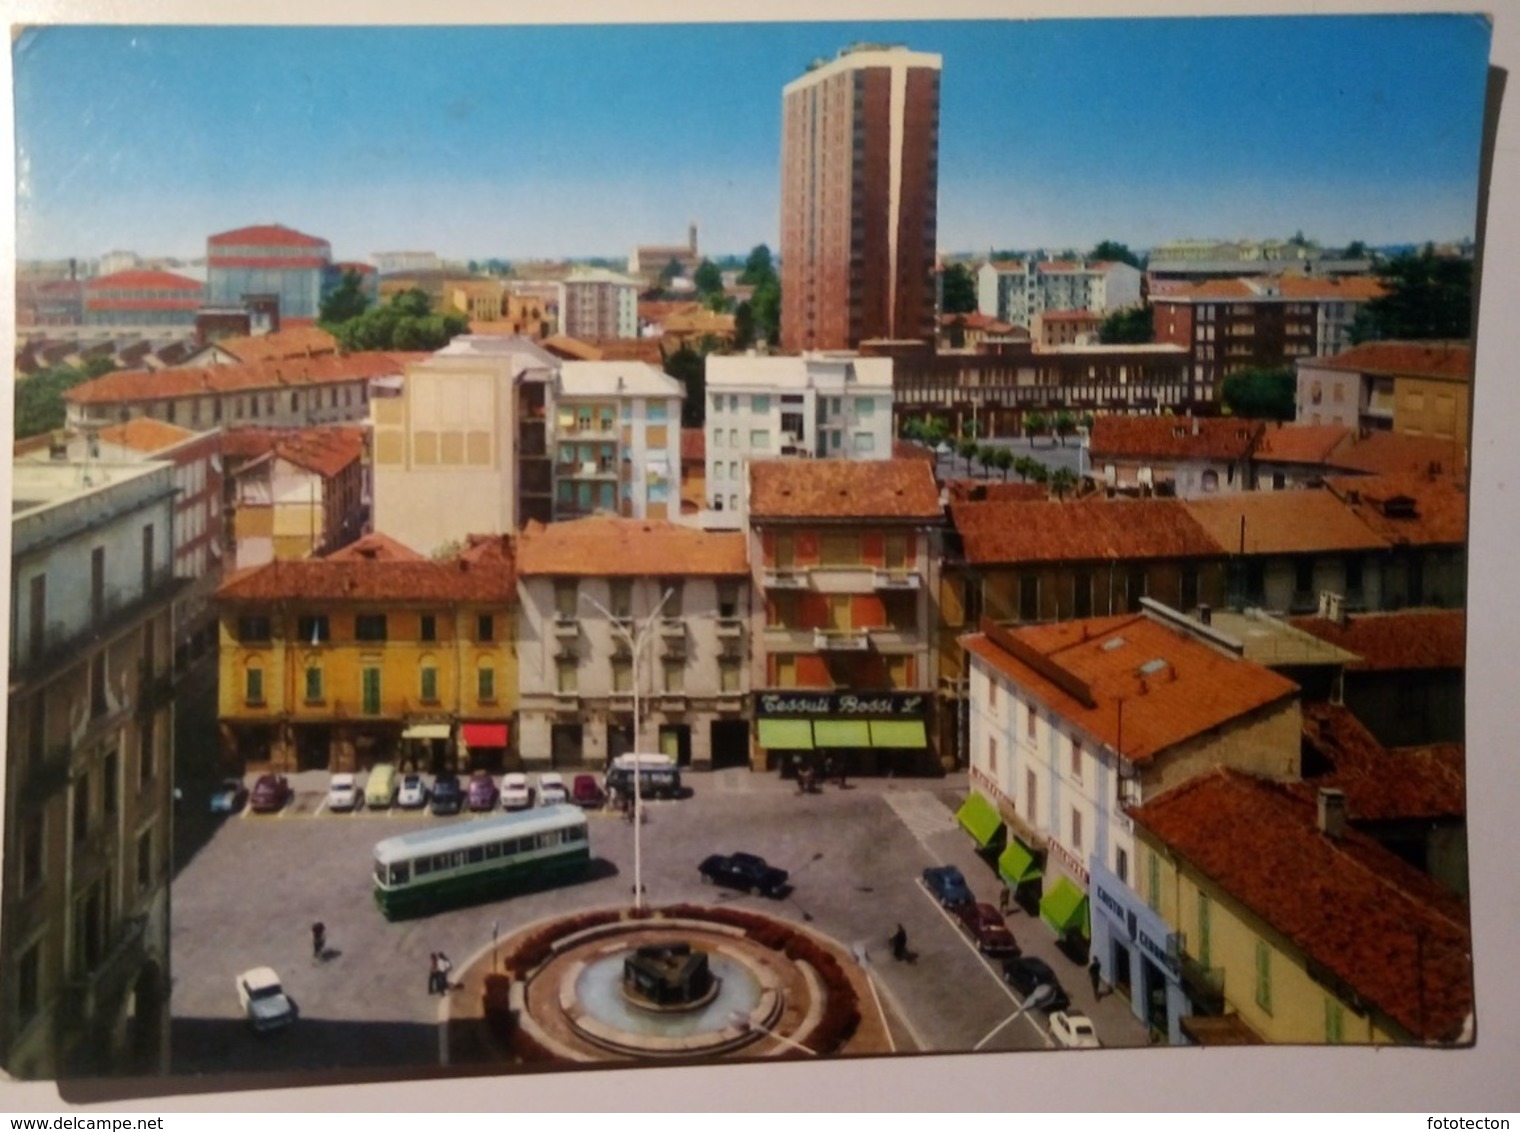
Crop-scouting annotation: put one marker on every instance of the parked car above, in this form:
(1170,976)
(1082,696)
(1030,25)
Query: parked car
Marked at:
(551,790)
(1074,1030)
(482,794)
(271,793)
(413,794)
(229,797)
(584,791)
(342,793)
(380,790)
(448,796)
(516,794)
(1025,973)
(984,924)
(265,1003)
(745,871)
(946,884)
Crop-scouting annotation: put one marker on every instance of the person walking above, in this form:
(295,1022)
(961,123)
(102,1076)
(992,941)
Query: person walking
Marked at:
(318,940)
(1005,900)
(432,972)
(899,942)
(1095,973)
(444,967)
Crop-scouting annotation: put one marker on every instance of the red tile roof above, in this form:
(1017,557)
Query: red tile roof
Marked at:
(144,434)
(1405,359)
(843,489)
(144,280)
(1407,639)
(267,235)
(993,491)
(1283,522)
(287,342)
(1386,451)
(1364,916)
(911,450)
(146,385)
(1175,438)
(1381,784)
(325,449)
(1085,530)
(1343,288)
(1302,443)
(1407,510)
(376,547)
(1084,670)
(603,546)
(605,349)
(355,580)
(693,446)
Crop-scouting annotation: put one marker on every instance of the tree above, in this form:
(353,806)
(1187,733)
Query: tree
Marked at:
(1034,425)
(1038,471)
(936,432)
(967,450)
(986,456)
(346,301)
(1004,461)
(958,288)
(1113,252)
(758,267)
(407,322)
(1261,394)
(1086,422)
(690,369)
(913,429)
(744,326)
(1132,324)
(1065,425)
(38,399)
(708,278)
(717,302)
(766,305)
(1024,466)
(1428,296)
(671,270)
(1356,249)
(1062,480)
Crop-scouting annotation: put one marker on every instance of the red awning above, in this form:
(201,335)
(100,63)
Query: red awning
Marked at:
(485,734)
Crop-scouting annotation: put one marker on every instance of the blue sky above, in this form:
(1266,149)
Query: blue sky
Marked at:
(573,141)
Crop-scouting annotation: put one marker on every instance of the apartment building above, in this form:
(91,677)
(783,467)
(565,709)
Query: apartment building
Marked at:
(1017,290)
(595,303)
(617,440)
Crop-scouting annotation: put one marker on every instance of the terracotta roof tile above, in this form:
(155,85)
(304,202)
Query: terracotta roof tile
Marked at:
(1343,288)
(843,489)
(289,342)
(144,280)
(1085,530)
(328,580)
(1302,443)
(1178,438)
(146,385)
(1353,908)
(911,450)
(992,491)
(1406,639)
(1382,784)
(1283,522)
(693,445)
(603,546)
(1407,510)
(324,449)
(1189,688)
(1386,451)
(1405,359)
(605,349)
(144,434)
(270,235)
(376,547)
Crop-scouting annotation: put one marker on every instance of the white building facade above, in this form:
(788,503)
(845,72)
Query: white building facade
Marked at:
(1017,291)
(599,304)
(617,440)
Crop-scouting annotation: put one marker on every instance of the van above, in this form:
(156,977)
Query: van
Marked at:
(659,777)
(380,790)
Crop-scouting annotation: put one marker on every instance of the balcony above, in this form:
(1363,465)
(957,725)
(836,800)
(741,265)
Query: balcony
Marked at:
(672,701)
(62,643)
(731,648)
(153,691)
(841,640)
(567,648)
(1204,985)
(897,580)
(49,775)
(673,628)
(730,627)
(587,470)
(788,579)
(896,637)
(566,627)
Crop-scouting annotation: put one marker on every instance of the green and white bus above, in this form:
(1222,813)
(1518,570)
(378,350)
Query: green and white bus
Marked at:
(484,859)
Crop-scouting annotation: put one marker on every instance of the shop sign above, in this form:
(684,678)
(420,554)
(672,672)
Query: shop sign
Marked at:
(873,704)
(1160,946)
(1070,861)
(985,780)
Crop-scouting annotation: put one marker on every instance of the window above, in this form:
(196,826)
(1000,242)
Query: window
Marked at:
(992,754)
(369,680)
(1153,881)
(313,629)
(429,679)
(485,628)
(728,675)
(97,584)
(147,753)
(839,550)
(1335,1022)
(622,674)
(485,681)
(760,439)
(253,686)
(253,630)
(30,849)
(655,412)
(1029,598)
(622,599)
(82,807)
(144,860)
(717,438)
(1204,944)
(992,688)
(1076,760)
(1076,829)
(37,627)
(566,676)
(728,599)
(675,676)
(1264,976)
(1029,722)
(1303,576)
(147,558)
(566,594)
(369,627)
(760,403)
(427,628)
(313,685)
(865,406)
(1121,864)
(1210,480)
(1082,588)
(1353,575)
(1031,796)
(865,442)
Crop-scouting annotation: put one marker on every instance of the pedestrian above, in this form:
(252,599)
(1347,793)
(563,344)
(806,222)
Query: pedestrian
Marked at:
(432,972)
(444,967)
(1005,900)
(318,939)
(1095,973)
(899,942)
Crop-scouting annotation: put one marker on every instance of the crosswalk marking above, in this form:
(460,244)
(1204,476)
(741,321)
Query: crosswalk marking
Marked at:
(921,812)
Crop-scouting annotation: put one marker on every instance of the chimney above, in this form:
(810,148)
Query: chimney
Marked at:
(1206,614)
(1332,812)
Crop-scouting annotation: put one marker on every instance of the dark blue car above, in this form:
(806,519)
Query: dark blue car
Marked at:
(948,885)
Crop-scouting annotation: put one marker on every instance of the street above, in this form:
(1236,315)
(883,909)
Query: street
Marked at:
(250,895)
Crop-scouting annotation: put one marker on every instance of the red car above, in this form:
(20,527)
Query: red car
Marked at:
(984,924)
(585,792)
(271,793)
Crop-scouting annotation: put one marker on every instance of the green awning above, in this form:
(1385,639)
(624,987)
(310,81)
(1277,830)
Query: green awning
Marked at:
(1017,866)
(841,733)
(1064,908)
(979,818)
(898,733)
(786,734)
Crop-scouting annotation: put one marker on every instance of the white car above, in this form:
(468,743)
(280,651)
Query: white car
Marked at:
(516,794)
(264,1002)
(552,790)
(414,793)
(1073,1030)
(342,793)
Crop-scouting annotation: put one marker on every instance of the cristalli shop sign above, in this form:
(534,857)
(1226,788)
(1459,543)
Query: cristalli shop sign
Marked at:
(875,704)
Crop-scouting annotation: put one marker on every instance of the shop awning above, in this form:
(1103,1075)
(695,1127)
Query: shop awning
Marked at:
(426,731)
(484,734)
(1016,865)
(841,733)
(1064,908)
(979,818)
(898,733)
(786,734)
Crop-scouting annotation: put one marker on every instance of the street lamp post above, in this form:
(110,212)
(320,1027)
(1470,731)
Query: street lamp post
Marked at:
(635,641)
